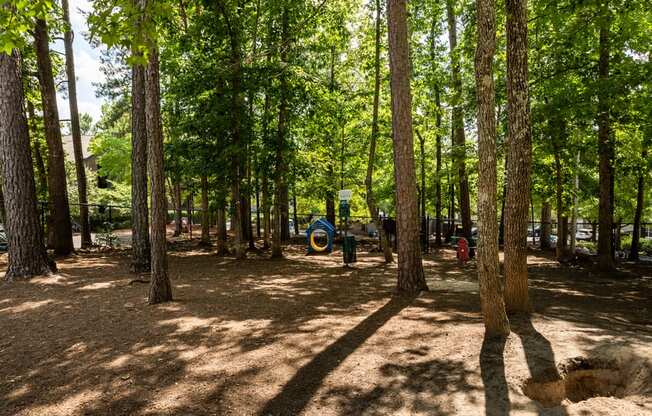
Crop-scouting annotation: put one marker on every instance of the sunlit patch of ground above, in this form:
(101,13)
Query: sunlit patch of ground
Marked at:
(305,335)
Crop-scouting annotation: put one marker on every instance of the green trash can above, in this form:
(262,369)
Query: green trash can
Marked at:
(349,249)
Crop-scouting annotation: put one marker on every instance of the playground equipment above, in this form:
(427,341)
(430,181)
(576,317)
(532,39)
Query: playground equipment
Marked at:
(321,226)
(462,251)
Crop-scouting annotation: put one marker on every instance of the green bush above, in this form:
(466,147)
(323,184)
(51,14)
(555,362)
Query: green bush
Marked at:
(593,247)
(644,244)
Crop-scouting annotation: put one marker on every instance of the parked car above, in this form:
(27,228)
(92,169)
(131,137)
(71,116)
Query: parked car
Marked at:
(583,235)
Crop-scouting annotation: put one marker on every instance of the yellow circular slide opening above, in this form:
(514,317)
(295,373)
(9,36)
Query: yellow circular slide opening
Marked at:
(313,242)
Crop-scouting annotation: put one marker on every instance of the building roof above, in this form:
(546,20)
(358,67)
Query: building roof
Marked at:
(68,148)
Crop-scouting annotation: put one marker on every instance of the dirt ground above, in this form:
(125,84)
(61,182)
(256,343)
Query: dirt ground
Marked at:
(304,335)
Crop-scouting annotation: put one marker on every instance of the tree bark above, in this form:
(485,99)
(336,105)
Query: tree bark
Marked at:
(178,227)
(27,255)
(266,208)
(371,202)
(560,247)
(257,190)
(140,243)
(544,234)
(640,200)
(330,171)
(160,289)
(86,240)
(438,224)
(205,221)
(576,187)
(294,212)
(221,229)
(436,91)
(605,150)
(60,224)
(422,187)
(411,279)
(280,185)
(285,209)
(40,164)
(457,122)
(491,286)
(519,161)
(237,106)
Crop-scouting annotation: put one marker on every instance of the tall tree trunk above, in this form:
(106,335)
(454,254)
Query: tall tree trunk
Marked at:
(491,286)
(560,247)
(189,197)
(139,212)
(231,215)
(222,249)
(205,221)
(266,205)
(457,121)
(238,164)
(330,206)
(295,217)
(576,188)
(178,228)
(280,185)
(411,279)
(451,209)
(438,171)
(266,208)
(501,226)
(640,199)
(257,185)
(422,186)
(160,289)
(86,240)
(3,213)
(40,165)
(544,234)
(519,161)
(27,256)
(57,189)
(605,149)
(140,243)
(371,202)
(617,229)
(330,171)
(246,201)
(436,92)
(285,210)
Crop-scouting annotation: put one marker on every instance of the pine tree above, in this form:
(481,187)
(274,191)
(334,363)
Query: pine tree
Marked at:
(27,256)
(411,279)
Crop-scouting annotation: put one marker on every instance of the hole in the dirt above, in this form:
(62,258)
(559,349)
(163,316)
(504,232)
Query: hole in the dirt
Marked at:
(576,380)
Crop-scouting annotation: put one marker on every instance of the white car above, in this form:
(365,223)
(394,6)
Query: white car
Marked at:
(583,235)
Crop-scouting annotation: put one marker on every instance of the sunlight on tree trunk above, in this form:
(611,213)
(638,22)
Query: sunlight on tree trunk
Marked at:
(411,279)
(489,279)
(80,169)
(27,256)
(59,225)
(519,161)
(160,289)
(605,149)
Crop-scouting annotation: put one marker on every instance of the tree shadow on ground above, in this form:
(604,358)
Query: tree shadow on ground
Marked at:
(492,371)
(539,354)
(240,329)
(300,389)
